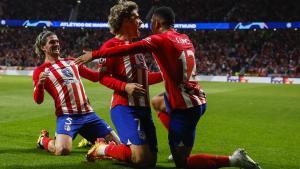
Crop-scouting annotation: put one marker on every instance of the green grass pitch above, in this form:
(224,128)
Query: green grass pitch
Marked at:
(262,118)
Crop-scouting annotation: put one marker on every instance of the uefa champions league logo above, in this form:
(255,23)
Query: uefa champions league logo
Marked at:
(252,25)
(30,23)
(67,72)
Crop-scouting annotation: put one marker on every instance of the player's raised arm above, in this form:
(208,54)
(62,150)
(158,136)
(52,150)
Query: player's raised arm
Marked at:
(88,73)
(86,57)
(122,50)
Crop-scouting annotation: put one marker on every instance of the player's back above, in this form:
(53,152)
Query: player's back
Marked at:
(175,57)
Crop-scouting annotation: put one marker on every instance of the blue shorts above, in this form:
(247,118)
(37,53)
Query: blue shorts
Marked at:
(183,124)
(90,126)
(168,107)
(134,125)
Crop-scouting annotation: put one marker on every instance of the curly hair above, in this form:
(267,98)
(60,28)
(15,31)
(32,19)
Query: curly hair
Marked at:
(118,12)
(41,41)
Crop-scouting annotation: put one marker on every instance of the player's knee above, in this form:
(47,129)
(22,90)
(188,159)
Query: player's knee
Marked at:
(62,151)
(143,159)
(155,101)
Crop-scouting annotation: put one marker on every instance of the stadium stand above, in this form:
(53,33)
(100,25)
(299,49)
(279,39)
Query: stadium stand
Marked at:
(253,53)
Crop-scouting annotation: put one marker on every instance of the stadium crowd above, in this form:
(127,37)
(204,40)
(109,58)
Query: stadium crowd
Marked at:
(199,10)
(258,53)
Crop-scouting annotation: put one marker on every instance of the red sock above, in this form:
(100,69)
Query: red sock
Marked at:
(164,118)
(205,161)
(120,152)
(45,142)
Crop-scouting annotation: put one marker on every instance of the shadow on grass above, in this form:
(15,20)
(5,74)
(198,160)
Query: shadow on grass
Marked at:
(82,165)
(35,151)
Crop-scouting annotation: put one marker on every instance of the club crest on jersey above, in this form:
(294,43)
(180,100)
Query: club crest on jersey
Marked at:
(67,72)
(102,60)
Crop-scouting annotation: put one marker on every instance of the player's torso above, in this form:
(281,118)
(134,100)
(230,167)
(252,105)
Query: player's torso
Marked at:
(130,69)
(66,88)
(179,71)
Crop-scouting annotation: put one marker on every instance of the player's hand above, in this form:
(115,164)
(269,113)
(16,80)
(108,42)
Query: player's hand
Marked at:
(135,89)
(42,78)
(86,57)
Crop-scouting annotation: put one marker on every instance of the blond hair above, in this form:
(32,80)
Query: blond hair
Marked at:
(118,12)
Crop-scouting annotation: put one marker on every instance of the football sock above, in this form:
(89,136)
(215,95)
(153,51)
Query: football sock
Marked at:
(120,152)
(45,141)
(164,117)
(101,150)
(205,161)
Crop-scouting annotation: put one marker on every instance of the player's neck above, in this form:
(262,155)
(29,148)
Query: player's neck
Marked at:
(51,59)
(124,37)
(163,30)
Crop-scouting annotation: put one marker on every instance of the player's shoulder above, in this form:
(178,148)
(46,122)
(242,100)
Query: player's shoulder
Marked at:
(40,68)
(152,39)
(111,43)
(68,59)
(178,39)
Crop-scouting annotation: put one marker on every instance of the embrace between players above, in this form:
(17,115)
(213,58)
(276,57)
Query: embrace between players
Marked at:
(123,69)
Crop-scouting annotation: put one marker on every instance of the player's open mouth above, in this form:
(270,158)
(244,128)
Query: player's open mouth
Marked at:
(55,49)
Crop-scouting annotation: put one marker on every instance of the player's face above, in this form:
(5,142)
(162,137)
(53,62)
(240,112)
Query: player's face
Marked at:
(155,24)
(134,23)
(52,47)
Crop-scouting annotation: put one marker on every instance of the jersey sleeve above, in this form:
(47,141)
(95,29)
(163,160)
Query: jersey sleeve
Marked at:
(112,83)
(105,71)
(149,44)
(154,77)
(88,73)
(38,90)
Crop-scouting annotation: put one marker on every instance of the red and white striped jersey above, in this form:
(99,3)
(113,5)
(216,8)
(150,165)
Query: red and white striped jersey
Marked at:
(174,54)
(65,86)
(116,72)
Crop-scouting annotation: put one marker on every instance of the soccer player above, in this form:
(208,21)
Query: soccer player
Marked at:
(61,79)
(174,54)
(129,77)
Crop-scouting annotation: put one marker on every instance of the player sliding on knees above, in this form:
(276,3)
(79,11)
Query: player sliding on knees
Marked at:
(174,53)
(60,77)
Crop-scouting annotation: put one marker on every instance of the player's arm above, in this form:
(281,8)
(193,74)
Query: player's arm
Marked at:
(112,83)
(88,73)
(39,78)
(154,77)
(133,89)
(122,50)
(150,44)
(105,78)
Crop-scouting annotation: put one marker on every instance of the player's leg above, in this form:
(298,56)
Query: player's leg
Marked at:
(94,127)
(62,145)
(182,133)
(181,139)
(67,127)
(131,129)
(161,106)
(136,130)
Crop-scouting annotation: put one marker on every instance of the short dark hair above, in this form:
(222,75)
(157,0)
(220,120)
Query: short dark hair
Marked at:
(167,14)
